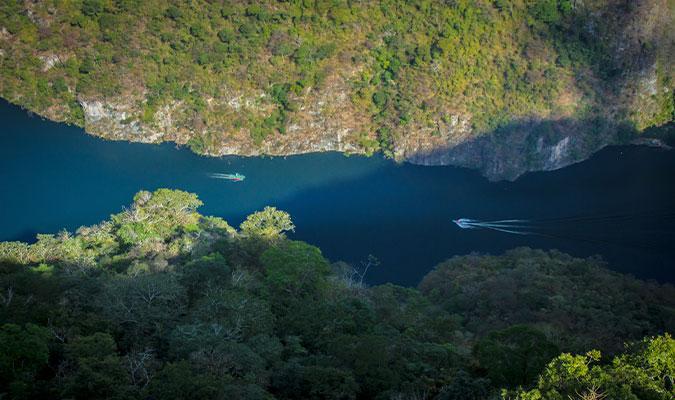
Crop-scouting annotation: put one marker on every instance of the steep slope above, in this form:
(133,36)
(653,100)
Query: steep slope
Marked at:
(502,86)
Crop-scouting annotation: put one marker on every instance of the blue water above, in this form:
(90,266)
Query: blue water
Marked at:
(54,177)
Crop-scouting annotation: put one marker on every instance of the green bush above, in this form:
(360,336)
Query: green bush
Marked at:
(173,12)
(92,7)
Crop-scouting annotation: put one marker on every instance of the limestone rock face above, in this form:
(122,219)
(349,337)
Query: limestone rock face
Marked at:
(527,146)
(112,121)
(326,121)
(543,96)
(329,123)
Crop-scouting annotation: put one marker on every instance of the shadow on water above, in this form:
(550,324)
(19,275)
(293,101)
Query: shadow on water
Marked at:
(609,51)
(529,145)
(55,177)
(411,231)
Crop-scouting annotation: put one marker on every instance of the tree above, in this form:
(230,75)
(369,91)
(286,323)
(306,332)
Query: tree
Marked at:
(216,349)
(205,272)
(380,99)
(314,382)
(294,267)
(15,252)
(92,7)
(465,387)
(645,371)
(23,352)
(93,369)
(546,10)
(226,35)
(269,223)
(143,305)
(180,382)
(88,65)
(173,12)
(239,314)
(573,299)
(157,215)
(514,356)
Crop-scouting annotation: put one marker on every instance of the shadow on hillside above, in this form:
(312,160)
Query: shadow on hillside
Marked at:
(523,146)
(618,41)
(613,51)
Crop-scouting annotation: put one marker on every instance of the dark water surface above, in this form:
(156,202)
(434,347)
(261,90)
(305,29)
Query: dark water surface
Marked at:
(54,176)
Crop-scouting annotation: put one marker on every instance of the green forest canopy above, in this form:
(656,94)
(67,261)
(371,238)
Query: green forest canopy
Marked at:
(163,302)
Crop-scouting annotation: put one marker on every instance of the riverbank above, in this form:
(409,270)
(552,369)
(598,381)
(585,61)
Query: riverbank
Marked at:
(58,177)
(501,89)
(526,146)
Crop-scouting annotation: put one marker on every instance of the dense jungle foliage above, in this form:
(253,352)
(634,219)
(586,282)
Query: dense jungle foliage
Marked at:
(160,302)
(408,65)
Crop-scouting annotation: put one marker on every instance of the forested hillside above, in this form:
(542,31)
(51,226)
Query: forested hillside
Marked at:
(160,302)
(417,80)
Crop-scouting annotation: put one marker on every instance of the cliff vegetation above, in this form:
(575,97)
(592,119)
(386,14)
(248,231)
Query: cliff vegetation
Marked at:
(532,84)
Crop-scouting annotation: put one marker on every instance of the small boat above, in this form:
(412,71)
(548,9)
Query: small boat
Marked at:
(236,177)
(464,223)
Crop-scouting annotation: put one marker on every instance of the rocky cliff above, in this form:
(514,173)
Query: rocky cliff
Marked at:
(515,149)
(500,87)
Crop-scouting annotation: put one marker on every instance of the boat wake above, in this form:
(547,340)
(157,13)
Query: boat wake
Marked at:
(611,229)
(237,177)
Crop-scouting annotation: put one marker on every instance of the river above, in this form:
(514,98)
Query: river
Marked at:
(54,177)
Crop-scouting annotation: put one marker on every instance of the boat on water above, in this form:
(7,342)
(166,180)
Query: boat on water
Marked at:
(236,177)
(464,223)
